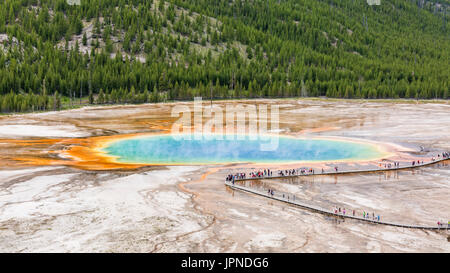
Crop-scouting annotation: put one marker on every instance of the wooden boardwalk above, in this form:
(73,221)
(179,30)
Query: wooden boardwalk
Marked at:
(291,199)
(346,172)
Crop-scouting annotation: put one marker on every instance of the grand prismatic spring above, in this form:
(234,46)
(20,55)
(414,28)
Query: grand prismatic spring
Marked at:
(185,149)
(109,179)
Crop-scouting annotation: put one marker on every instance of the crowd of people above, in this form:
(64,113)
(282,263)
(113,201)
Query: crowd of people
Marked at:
(365,215)
(238,176)
(233,177)
(291,172)
(268,173)
(261,173)
(418,162)
(304,171)
(442,156)
(336,210)
(389,165)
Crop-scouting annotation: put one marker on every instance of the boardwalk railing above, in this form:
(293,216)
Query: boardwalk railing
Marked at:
(292,199)
(344,172)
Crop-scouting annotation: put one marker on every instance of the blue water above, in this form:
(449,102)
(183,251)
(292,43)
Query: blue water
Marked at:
(164,149)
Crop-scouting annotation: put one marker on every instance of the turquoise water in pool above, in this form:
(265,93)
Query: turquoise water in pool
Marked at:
(165,149)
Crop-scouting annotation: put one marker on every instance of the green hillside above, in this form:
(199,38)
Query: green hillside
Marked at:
(134,51)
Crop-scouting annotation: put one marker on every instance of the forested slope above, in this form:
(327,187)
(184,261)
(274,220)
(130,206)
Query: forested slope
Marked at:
(132,51)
